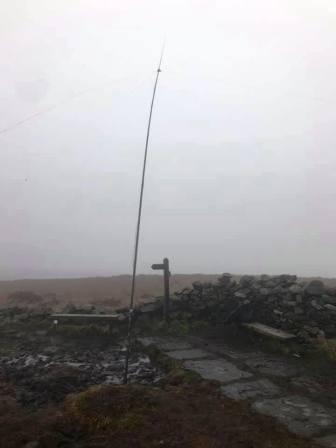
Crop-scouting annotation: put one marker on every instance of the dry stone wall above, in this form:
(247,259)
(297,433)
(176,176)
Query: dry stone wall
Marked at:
(305,309)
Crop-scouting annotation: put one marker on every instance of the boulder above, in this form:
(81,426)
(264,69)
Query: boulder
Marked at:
(315,288)
(225,279)
(246,281)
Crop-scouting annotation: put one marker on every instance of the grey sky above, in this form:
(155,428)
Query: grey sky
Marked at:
(241,174)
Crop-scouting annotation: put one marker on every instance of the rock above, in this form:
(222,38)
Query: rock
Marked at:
(315,288)
(123,316)
(298,298)
(331,291)
(34,444)
(290,303)
(240,295)
(296,289)
(41,333)
(330,307)
(328,299)
(298,310)
(278,290)
(316,306)
(286,278)
(303,334)
(264,291)
(225,279)
(321,335)
(330,330)
(51,349)
(312,331)
(30,361)
(197,286)
(265,277)
(246,280)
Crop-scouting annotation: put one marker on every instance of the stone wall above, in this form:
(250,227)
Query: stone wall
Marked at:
(305,309)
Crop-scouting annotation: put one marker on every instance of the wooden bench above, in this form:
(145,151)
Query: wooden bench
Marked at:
(88,318)
(266,330)
(101,317)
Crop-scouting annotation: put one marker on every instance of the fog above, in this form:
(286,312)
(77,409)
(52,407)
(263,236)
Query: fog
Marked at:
(242,162)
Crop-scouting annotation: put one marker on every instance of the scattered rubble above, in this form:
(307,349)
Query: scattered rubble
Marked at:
(45,365)
(53,373)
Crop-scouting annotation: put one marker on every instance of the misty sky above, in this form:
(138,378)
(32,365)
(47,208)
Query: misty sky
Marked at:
(241,172)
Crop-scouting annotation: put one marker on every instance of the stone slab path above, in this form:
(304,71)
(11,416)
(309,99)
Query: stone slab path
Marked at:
(264,380)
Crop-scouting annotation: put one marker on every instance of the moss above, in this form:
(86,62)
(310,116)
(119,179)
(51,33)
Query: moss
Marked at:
(184,326)
(199,326)
(275,346)
(174,416)
(178,328)
(316,350)
(110,408)
(326,347)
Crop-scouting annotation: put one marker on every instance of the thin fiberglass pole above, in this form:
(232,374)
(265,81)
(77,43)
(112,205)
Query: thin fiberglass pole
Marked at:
(136,248)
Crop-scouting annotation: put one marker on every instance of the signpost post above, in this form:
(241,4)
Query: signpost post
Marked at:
(166,274)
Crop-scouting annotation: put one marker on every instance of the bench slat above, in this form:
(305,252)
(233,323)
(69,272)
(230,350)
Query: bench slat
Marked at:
(269,331)
(85,316)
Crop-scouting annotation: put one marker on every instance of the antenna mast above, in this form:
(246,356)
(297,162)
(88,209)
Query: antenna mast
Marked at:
(135,259)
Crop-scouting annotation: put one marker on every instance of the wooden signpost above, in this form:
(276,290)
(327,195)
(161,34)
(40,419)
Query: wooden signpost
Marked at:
(166,274)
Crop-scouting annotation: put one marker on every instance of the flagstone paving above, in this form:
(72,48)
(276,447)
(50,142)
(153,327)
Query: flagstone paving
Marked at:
(261,379)
(194,353)
(251,389)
